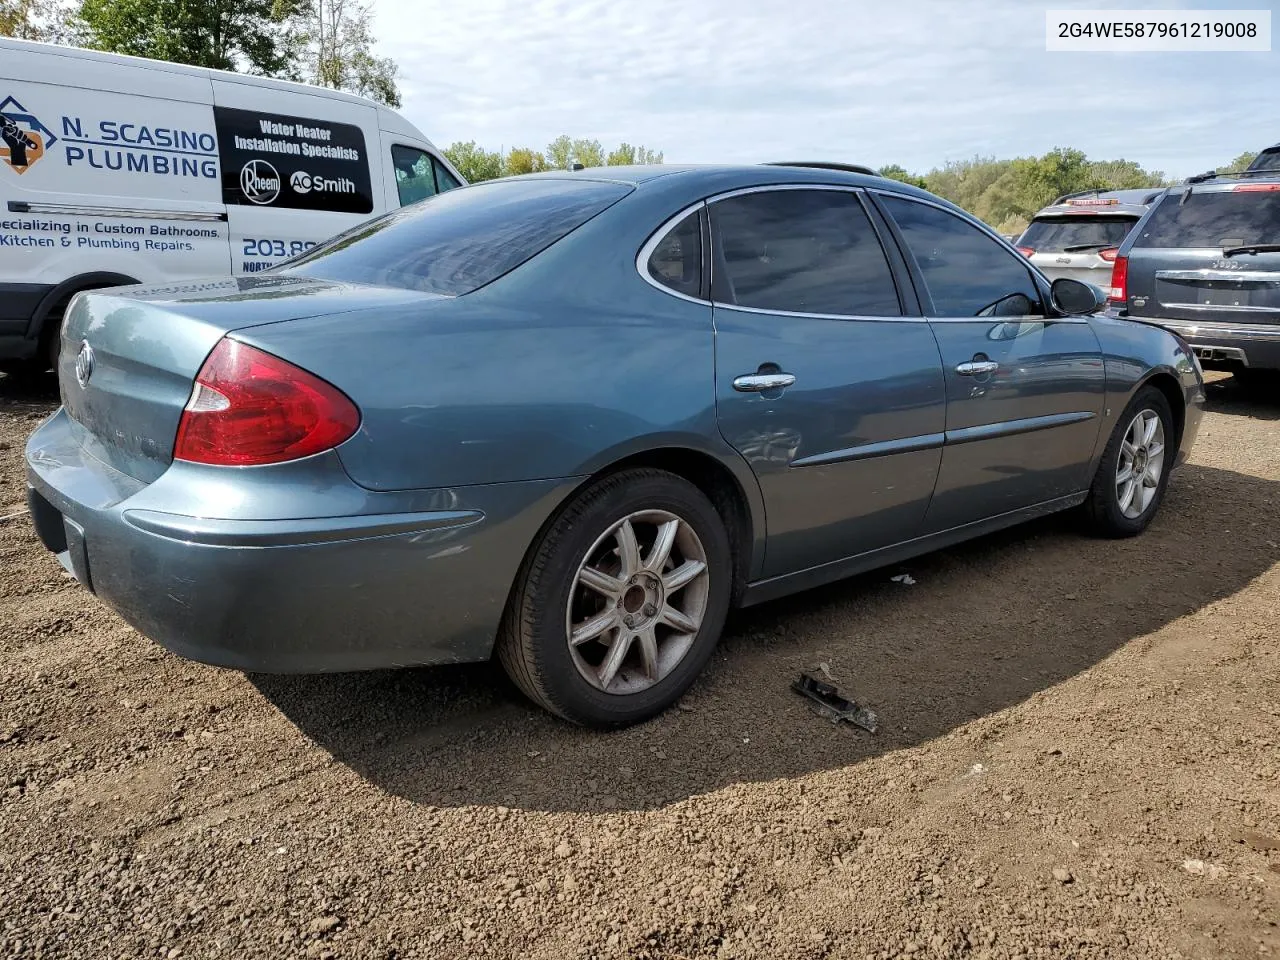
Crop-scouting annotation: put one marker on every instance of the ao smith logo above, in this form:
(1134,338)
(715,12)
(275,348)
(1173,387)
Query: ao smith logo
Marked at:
(259,182)
(303,182)
(24,140)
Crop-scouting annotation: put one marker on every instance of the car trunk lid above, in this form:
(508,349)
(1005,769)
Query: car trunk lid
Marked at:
(130,355)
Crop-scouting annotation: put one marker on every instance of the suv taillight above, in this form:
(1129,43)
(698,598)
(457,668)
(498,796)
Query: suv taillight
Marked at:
(1109,254)
(250,408)
(1026,251)
(1119,280)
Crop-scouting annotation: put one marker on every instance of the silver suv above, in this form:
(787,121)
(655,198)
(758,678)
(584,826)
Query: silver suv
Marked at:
(1077,236)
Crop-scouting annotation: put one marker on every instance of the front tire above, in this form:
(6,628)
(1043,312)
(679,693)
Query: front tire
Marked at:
(1134,471)
(621,601)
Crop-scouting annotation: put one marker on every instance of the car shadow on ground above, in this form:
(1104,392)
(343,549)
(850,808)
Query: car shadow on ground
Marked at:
(1226,394)
(986,625)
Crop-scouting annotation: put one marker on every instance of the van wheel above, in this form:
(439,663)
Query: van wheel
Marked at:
(53,344)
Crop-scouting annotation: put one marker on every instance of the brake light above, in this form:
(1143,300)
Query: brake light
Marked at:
(249,408)
(1026,251)
(1255,187)
(1109,254)
(1119,280)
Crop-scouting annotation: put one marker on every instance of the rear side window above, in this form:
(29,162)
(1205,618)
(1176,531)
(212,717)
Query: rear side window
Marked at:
(800,251)
(676,262)
(1076,234)
(458,241)
(1247,213)
(968,273)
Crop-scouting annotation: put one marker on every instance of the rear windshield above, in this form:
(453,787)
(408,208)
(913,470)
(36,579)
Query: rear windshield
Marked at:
(1267,160)
(1244,214)
(458,241)
(1055,234)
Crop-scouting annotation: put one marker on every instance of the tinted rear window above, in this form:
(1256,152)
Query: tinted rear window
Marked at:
(458,241)
(1267,160)
(1214,218)
(1054,235)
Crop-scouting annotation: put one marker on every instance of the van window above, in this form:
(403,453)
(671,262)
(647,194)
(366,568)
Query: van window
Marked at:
(1247,213)
(415,176)
(444,179)
(298,163)
(458,241)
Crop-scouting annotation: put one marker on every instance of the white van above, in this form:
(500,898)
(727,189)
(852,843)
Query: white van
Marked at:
(118,170)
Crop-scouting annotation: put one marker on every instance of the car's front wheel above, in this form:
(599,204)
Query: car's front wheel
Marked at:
(1134,471)
(620,603)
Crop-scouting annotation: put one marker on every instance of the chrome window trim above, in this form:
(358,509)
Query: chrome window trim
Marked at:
(138,213)
(642,258)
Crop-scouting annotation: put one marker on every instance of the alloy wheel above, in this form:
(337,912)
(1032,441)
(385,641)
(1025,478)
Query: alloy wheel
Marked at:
(1141,464)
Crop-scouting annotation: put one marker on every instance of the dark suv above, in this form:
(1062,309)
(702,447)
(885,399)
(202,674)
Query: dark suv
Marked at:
(1205,263)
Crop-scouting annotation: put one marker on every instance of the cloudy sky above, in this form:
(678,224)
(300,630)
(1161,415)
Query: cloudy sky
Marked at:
(915,82)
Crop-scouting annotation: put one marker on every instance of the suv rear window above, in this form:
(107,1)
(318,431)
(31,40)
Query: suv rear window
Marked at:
(1267,160)
(1055,234)
(1215,218)
(458,241)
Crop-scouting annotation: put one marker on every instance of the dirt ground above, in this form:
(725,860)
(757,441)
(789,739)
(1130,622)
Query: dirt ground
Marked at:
(1079,757)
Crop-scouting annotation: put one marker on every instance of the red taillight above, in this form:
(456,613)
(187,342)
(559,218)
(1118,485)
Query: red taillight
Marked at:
(1109,254)
(1119,280)
(1026,251)
(250,408)
(1255,187)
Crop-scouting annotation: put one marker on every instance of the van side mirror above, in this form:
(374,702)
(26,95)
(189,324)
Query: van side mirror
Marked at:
(1076,297)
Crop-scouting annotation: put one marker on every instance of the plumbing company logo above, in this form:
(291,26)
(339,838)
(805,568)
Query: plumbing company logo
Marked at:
(259,182)
(24,140)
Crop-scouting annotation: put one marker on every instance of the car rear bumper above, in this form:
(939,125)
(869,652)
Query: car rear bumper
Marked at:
(1236,344)
(307,592)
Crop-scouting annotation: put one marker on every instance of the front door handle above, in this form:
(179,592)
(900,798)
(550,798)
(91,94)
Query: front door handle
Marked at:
(761,382)
(976,368)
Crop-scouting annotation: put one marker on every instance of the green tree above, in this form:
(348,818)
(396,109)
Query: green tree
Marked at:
(894,172)
(560,153)
(1126,175)
(252,36)
(625,154)
(589,153)
(523,160)
(1240,163)
(47,20)
(334,40)
(474,162)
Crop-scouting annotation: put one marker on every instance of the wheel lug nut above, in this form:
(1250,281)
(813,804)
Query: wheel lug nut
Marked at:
(650,609)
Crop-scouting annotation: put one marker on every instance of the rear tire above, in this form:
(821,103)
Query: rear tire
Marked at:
(1134,471)
(1259,382)
(606,627)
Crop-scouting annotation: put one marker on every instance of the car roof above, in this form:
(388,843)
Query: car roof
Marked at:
(730,176)
(1107,203)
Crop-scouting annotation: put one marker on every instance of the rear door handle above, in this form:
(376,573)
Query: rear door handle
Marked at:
(760,382)
(975,368)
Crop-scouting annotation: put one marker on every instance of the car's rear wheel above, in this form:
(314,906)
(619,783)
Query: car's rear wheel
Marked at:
(620,603)
(1134,471)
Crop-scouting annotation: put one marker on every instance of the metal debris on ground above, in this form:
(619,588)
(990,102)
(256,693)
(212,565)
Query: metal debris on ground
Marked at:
(832,704)
(906,579)
(14,516)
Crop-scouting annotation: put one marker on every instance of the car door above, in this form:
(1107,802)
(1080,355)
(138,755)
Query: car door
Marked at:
(826,382)
(1024,389)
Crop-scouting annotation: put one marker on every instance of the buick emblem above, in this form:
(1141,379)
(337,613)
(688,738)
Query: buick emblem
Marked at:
(84,364)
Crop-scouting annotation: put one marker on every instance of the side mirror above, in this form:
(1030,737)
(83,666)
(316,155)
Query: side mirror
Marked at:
(1076,297)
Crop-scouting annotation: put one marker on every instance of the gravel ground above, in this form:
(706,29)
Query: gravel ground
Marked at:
(1078,758)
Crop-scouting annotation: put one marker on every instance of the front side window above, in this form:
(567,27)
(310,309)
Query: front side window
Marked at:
(968,274)
(415,179)
(800,251)
(1246,213)
(458,241)
(676,261)
(444,179)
